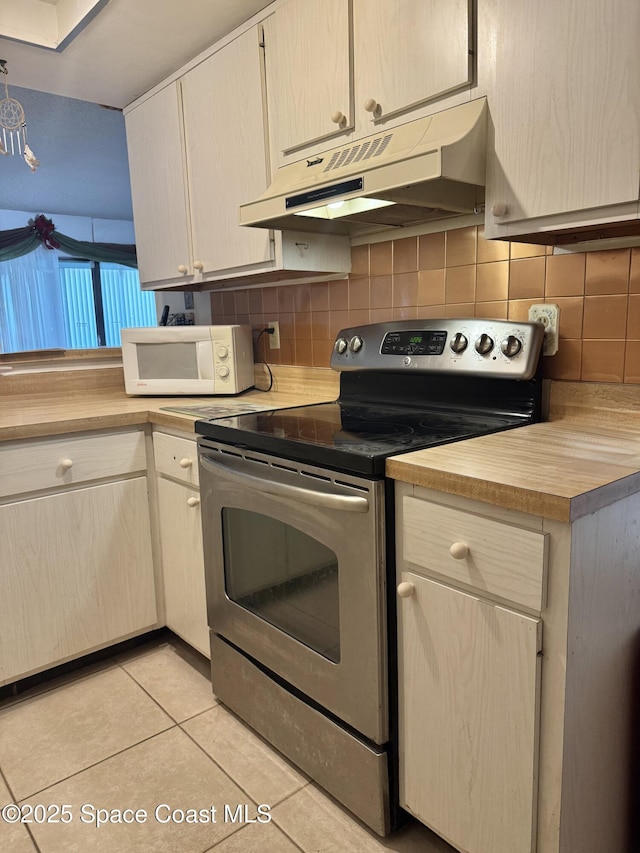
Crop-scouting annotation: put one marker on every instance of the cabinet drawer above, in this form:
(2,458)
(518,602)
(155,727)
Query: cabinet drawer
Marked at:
(177,457)
(493,557)
(30,466)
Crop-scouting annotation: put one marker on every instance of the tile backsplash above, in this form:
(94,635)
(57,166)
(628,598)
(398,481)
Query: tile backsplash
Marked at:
(459,273)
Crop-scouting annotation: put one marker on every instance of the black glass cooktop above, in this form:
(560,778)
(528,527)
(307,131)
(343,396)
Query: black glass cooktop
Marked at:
(350,436)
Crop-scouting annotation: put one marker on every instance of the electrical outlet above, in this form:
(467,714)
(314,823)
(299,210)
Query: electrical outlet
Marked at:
(274,339)
(549,315)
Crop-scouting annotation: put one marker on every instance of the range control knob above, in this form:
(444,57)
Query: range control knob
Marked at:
(458,343)
(223,371)
(341,345)
(511,346)
(484,344)
(355,344)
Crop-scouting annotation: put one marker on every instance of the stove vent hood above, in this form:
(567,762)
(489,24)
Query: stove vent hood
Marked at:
(427,169)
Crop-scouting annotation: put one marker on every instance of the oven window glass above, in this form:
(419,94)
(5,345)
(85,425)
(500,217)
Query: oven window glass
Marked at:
(284,576)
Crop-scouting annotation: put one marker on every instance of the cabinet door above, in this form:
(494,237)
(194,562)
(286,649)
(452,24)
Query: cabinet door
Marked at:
(408,52)
(158,188)
(309,72)
(183,563)
(565,110)
(77,574)
(225,144)
(469,688)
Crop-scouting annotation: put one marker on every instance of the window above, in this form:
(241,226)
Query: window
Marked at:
(48,301)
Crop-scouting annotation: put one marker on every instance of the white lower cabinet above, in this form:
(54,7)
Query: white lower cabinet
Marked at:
(76,573)
(518,672)
(180,528)
(469,717)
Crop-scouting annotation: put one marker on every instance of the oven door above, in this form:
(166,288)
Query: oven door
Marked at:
(295,572)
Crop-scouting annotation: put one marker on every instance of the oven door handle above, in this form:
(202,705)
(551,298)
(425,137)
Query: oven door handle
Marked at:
(327,500)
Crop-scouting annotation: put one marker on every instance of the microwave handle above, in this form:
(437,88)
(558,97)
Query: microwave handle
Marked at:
(205,360)
(350,503)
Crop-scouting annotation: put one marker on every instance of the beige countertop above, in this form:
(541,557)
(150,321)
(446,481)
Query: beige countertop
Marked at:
(73,407)
(585,457)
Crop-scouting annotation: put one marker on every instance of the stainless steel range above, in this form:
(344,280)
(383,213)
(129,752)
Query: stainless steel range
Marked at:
(299,546)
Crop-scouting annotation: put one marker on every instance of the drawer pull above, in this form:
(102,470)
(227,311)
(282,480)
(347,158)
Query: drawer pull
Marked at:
(459,550)
(193,501)
(185,463)
(66,464)
(405,589)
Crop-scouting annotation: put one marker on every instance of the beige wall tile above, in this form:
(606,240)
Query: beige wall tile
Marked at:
(496,310)
(359,317)
(492,281)
(460,309)
(431,287)
(406,312)
(526,250)
(431,251)
(320,326)
(632,362)
(634,276)
(405,289)
(526,278)
(519,309)
(338,295)
(217,307)
(287,326)
(565,275)
(381,258)
(602,361)
(605,317)
(405,255)
(381,291)
(360,260)
(255,300)
(301,297)
(571,314)
(286,300)
(359,293)
(566,363)
(302,327)
(338,320)
(229,304)
(321,353)
(460,246)
(460,284)
(381,315)
(242,302)
(607,272)
(270,300)
(491,250)
(633,318)
(304,352)
(320,296)
(432,311)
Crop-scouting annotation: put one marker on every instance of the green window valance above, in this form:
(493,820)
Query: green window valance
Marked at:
(41,231)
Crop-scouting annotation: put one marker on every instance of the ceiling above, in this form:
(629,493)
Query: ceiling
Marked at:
(124,50)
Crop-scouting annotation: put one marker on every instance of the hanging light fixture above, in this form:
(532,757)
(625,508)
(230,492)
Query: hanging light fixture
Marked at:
(13,125)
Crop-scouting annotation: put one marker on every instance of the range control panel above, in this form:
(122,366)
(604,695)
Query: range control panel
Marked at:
(471,346)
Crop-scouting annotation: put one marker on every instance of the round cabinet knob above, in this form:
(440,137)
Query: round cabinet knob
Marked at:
(222,352)
(458,343)
(405,589)
(484,344)
(355,344)
(459,550)
(198,265)
(185,463)
(340,345)
(193,501)
(499,209)
(338,118)
(182,268)
(372,106)
(511,346)
(223,371)
(66,464)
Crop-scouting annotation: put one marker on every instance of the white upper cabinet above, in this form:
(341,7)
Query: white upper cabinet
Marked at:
(158,188)
(565,108)
(222,102)
(343,67)
(197,150)
(309,72)
(407,53)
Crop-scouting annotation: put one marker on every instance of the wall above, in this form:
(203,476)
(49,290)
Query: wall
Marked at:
(459,273)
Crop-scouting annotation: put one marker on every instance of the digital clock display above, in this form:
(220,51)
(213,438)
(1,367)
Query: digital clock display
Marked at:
(413,343)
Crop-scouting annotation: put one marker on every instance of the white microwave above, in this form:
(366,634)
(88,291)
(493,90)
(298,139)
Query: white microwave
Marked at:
(193,360)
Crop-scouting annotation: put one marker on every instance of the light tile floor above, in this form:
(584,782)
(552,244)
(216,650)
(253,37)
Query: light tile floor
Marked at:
(143,730)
